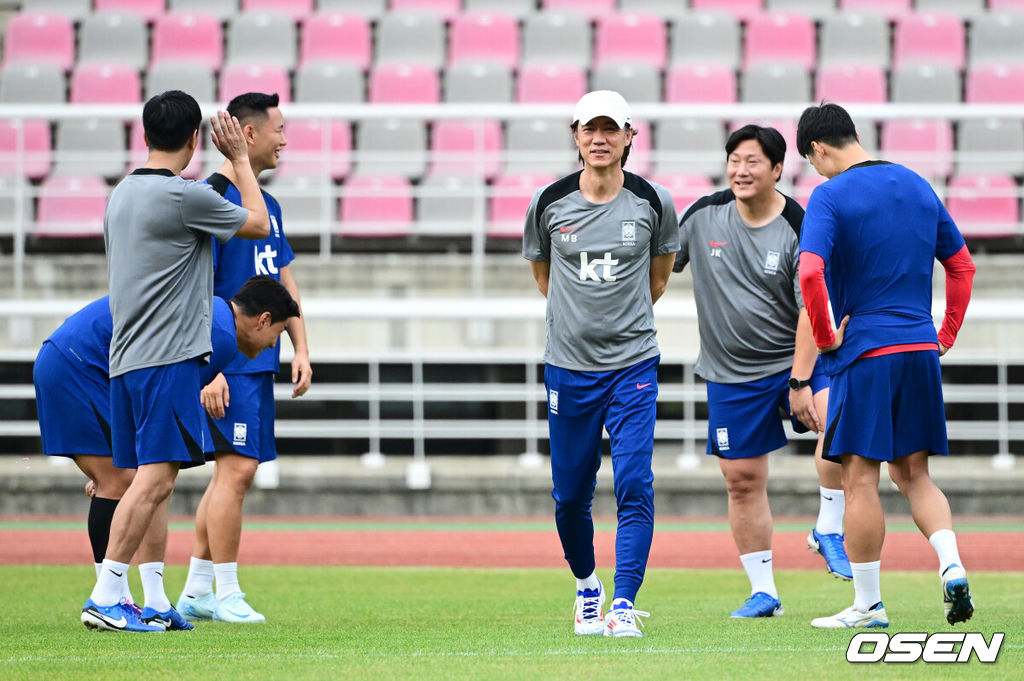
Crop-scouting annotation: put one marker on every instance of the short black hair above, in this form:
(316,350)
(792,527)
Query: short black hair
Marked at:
(251,105)
(265,294)
(773,144)
(625,150)
(826,123)
(169,119)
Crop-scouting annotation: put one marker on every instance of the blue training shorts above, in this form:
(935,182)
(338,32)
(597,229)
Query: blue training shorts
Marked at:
(73,405)
(745,419)
(156,416)
(248,424)
(886,407)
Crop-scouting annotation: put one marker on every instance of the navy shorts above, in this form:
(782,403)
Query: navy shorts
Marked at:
(248,424)
(73,405)
(745,419)
(886,407)
(156,416)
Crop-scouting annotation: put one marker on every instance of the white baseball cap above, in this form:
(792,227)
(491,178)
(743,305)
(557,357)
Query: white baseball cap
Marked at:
(602,103)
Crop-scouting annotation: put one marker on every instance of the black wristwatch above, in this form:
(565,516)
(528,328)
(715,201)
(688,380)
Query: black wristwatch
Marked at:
(797,384)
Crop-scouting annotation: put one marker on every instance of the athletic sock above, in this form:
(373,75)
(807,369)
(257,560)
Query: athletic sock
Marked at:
(101,512)
(200,577)
(759,571)
(830,511)
(109,585)
(227,579)
(153,586)
(944,543)
(866,590)
(98,566)
(591,582)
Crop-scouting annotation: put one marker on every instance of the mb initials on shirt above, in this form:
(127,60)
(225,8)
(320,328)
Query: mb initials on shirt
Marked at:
(588,267)
(265,260)
(241,430)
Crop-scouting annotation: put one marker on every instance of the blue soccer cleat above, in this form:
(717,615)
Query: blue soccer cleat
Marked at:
(956,595)
(170,619)
(759,605)
(830,547)
(197,607)
(118,617)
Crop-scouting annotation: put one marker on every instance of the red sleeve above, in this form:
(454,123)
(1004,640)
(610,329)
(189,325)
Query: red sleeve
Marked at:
(959,280)
(812,287)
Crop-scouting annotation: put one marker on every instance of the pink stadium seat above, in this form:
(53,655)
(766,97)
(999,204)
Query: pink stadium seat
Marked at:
(781,37)
(467,148)
(891,9)
(701,83)
(741,9)
(631,37)
(149,10)
(510,198)
(685,189)
(640,155)
(485,36)
(1005,5)
(238,79)
(984,205)
(929,37)
(40,37)
(375,206)
(307,142)
(850,83)
(446,9)
(996,84)
(105,84)
(805,185)
(296,9)
(71,207)
(137,151)
(188,36)
(334,36)
(35,145)
(925,146)
(592,8)
(551,83)
(405,83)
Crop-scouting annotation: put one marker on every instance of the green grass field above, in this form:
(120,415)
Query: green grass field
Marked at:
(419,624)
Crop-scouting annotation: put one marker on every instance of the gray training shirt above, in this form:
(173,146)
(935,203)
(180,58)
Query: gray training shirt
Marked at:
(157,232)
(599,314)
(746,283)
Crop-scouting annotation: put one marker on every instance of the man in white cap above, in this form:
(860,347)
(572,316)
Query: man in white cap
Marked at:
(601,244)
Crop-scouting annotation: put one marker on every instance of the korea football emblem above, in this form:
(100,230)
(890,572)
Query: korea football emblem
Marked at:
(628,232)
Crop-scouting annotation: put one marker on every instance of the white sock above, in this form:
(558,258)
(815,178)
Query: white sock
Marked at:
(944,543)
(153,586)
(591,582)
(109,583)
(227,579)
(866,590)
(200,577)
(759,571)
(830,511)
(99,566)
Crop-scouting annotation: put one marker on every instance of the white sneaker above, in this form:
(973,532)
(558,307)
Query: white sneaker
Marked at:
(956,595)
(852,618)
(233,608)
(587,609)
(622,620)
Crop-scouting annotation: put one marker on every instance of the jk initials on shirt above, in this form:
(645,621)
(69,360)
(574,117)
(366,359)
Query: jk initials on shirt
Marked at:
(265,260)
(588,268)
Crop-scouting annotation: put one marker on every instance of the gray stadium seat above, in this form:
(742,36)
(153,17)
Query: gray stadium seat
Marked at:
(705,37)
(194,78)
(334,82)
(996,38)
(9,202)
(517,8)
(690,146)
(961,8)
(450,205)
(113,37)
(30,83)
(371,9)
(556,38)
(76,10)
(929,83)
(410,37)
(391,147)
(868,131)
(539,146)
(90,146)
(222,9)
(775,83)
(815,9)
(636,82)
(308,203)
(854,38)
(478,82)
(990,145)
(262,38)
(666,9)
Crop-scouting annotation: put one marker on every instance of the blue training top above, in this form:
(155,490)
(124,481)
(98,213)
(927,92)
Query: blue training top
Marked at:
(879,227)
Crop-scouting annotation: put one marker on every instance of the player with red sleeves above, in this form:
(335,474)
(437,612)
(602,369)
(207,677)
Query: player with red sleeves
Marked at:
(870,235)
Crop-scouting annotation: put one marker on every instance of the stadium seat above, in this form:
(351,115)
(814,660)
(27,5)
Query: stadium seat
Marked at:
(684,188)
(520,9)
(692,83)
(630,38)
(310,203)
(556,37)
(333,36)
(775,83)
(391,147)
(27,143)
(262,38)
(984,205)
(137,153)
(965,9)
(995,84)
(195,78)
(924,83)
(860,83)
(1005,5)
(551,83)
(477,82)
(147,10)
(855,38)
(450,205)
(74,10)
(336,82)
(592,9)
(990,145)
(484,36)
(375,206)
(669,10)
(13,195)
(71,207)
(932,38)
(105,84)
(308,140)
(996,38)
(466,147)
(890,9)
(637,82)
(90,146)
(867,131)
(924,146)
(32,83)
(404,84)
(221,9)
(815,9)
(539,145)
(446,9)
(296,10)
(370,9)
(805,186)
(239,78)
(780,37)
(744,10)
(510,197)
(114,37)
(641,159)
(410,37)
(40,37)
(188,36)
(706,38)
(689,146)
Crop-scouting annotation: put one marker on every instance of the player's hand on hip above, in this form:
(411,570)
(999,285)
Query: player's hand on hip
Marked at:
(801,405)
(840,333)
(216,397)
(226,133)
(942,349)
(302,375)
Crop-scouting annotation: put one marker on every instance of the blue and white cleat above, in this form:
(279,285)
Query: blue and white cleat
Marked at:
(830,547)
(623,621)
(852,618)
(956,595)
(197,607)
(118,617)
(759,605)
(234,609)
(170,620)
(589,619)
